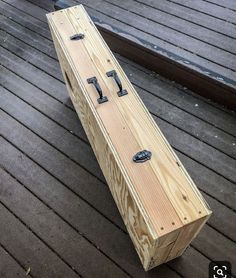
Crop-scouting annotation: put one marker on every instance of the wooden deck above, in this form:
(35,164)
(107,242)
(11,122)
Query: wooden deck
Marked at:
(57,216)
(191,42)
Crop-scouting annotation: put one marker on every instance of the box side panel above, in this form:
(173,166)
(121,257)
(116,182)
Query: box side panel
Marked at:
(162,248)
(187,234)
(136,225)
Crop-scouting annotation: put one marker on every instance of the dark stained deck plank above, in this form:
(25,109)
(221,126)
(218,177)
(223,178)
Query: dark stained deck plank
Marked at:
(24,19)
(64,240)
(78,213)
(168,35)
(196,61)
(192,16)
(205,154)
(187,122)
(164,19)
(112,233)
(200,174)
(177,98)
(30,8)
(67,117)
(230,4)
(29,250)
(209,8)
(172,99)
(9,267)
(14,107)
(207,180)
(107,17)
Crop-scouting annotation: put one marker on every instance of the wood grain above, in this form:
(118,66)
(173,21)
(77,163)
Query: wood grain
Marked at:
(158,201)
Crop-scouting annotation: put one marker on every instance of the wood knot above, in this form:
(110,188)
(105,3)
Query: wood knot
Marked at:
(185,197)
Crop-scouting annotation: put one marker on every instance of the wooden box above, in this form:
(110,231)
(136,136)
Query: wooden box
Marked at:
(159,203)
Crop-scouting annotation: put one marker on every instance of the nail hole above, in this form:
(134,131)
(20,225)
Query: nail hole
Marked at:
(199,212)
(173,223)
(162,228)
(185,218)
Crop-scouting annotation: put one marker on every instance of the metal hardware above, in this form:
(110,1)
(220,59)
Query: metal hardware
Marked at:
(113,74)
(142,156)
(77,37)
(94,81)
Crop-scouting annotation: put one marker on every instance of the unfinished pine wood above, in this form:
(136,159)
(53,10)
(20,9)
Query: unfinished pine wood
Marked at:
(160,205)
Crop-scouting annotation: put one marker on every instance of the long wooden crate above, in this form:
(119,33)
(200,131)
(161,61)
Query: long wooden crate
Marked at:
(158,201)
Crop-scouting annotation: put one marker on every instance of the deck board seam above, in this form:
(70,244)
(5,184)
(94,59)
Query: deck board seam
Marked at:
(81,234)
(66,221)
(200,11)
(166,41)
(198,24)
(48,55)
(207,257)
(35,234)
(216,106)
(14,258)
(199,162)
(152,113)
(64,184)
(153,35)
(231,9)
(86,142)
(74,228)
(185,154)
(25,11)
(16,22)
(95,177)
(176,30)
(132,82)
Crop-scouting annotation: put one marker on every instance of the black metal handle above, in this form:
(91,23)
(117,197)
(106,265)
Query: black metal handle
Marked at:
(113,74)
(94,81)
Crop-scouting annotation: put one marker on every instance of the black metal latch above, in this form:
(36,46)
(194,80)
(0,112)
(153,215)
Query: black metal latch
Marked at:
(142,156)
(113,74)
(77,37)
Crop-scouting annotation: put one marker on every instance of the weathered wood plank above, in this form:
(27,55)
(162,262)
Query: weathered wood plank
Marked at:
(67,119)
(196,149)
(168,35)
(52,167)
(77,212)
(161,107)
(154,84)
(194,16)
(9,267)
(25,20)
(196,72)
(68,243)
(208,8)
(36,181)
(29,250)
(227,3)
(177,24)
